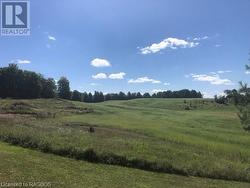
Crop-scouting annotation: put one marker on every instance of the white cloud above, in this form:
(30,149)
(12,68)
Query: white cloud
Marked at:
(211,94)
(144,80)
(217,45)
(207,95)
(221,94)
(157,90)
(222,72)
(117,76)
(200,38)
(51,38)
(213,79)
(99,76)
(114,76)
(20,61)
(97,62)
(94,84)
(166,84)
(172,43)
(247,72)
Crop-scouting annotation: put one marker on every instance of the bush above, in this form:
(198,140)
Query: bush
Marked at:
(221,99)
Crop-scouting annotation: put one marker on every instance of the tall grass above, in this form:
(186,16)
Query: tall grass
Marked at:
(150,134)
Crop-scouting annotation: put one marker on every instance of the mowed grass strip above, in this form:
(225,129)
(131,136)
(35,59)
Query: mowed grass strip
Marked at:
(206,141)
(25,165)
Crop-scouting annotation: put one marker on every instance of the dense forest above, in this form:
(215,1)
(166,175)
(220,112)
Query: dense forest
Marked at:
(23,84)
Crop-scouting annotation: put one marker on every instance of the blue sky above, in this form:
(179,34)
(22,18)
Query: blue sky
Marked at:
(142,45)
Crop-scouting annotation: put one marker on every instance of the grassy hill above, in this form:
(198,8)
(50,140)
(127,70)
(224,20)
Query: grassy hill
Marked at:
(24,165)
(178,136)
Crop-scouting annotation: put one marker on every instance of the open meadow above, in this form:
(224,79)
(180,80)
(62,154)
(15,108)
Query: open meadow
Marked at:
(171,140)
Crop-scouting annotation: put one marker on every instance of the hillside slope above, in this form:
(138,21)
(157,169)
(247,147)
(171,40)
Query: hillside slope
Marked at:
(27,166)
(204,140)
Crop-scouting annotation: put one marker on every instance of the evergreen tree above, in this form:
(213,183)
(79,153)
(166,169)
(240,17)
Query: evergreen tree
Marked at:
(107,97)
(76,95)
(122,96)
(138,95)
(84,97)
(146,95)
(129,96)
(90,97)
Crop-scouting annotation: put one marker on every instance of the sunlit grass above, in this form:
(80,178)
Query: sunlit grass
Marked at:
(206,141)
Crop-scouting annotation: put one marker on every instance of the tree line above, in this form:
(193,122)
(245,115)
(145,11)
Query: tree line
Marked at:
(100,97)
(17,83)
(23,84)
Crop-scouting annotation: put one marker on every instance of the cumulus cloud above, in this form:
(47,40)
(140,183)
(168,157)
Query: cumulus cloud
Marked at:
(213,79)
(113,76)
(212,94)
(247,72)
(144,80)
(20,61)
(94,84)
(117,76)
(97,62)
(166,84)
(200,38)
(99,76)
(51,38)
(222,72)
(207,95)
(157,90)
(173,43)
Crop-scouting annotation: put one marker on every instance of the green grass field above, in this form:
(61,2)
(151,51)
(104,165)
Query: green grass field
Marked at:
(24,165)
(159,134)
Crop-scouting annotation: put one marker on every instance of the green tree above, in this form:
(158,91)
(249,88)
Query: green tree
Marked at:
(48,88)
(129,95)
(90,97)
(84,97)
(63,88)
(138,95)
(241,99)
(10,81)
(76,95)
(244,105)
(32,84)
(146,95)
(16,83)
(122,96)
(107,97)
